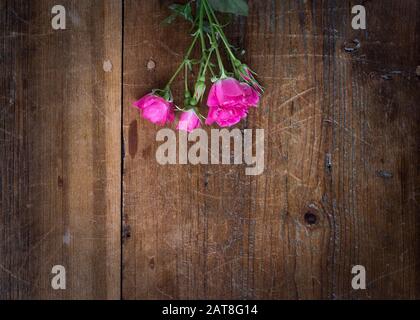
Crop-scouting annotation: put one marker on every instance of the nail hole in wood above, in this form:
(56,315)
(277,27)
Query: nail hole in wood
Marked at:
(151,65)
(310,218)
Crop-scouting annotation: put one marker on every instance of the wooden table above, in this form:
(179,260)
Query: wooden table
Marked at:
(80,185)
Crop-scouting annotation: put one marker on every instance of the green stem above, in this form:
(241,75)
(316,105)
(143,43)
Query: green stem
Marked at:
(187,56)
(212,71)
(175,75)
(201,25)
(202,38)
(207,63)
(222,33)
(219,60)
(216,22)
(227,45)
(214,40)
(186,78)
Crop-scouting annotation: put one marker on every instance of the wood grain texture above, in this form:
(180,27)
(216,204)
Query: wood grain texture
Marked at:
(341,180)
(60,140)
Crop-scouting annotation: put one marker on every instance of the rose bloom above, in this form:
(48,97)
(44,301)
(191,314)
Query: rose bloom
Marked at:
(156,109)
(189,121)
(229,101)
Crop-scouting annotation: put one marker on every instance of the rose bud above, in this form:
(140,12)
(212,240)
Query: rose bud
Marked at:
(200,89)
(247,75)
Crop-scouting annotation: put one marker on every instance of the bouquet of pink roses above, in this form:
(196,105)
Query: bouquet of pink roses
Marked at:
(233,92)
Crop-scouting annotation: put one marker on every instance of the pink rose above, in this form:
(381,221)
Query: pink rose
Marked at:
(156,109)
(189,121)
(229,101)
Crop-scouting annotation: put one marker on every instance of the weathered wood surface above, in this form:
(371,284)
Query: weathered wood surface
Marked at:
(341,181)
(59,140)
(341,149)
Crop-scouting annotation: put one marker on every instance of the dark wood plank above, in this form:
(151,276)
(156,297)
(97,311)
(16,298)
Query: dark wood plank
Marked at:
(341,174)
(59,140)
(373,137)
